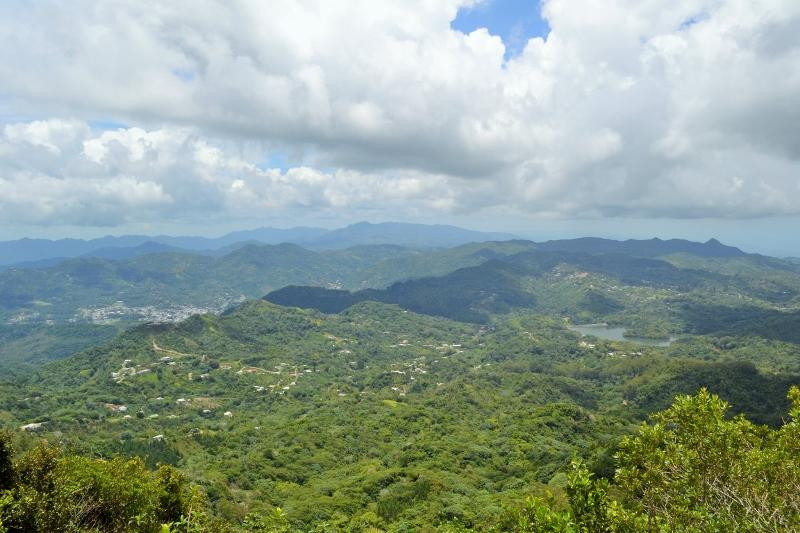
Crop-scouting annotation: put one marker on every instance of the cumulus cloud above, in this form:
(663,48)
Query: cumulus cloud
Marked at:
(62,172)
(645,108)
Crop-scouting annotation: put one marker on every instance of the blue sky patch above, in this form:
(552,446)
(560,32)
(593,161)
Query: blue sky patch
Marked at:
(691,21)
(106,124)
(183,74)
(514,21)
(275,159)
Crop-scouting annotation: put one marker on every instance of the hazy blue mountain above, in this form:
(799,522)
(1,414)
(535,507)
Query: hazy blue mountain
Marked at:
(126,252)
(642,248)
(272,235)
(27,250)
(24,251)
(40,263)
(410,235)
(259,235)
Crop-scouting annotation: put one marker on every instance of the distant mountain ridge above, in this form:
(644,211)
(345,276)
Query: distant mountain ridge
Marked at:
(402,234)
(642,248)
(117,253)
(363,233)
(44,252)
(110,247)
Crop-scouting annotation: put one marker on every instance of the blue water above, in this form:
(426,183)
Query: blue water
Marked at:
(611,333)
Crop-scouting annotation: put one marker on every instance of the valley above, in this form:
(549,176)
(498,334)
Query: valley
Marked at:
(438,399)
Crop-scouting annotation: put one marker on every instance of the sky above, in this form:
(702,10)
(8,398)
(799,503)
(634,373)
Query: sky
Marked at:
(559,118)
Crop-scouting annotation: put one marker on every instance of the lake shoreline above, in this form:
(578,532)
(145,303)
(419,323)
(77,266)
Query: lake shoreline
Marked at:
(618,334)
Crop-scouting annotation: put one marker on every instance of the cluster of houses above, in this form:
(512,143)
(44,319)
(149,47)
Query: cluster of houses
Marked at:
(407,371)
(128,371)
(118,310)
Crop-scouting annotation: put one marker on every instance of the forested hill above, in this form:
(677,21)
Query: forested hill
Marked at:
(164,280)
(49,312)
(150,276)
(97,296)
(440,401)
(376,417)
(652,297)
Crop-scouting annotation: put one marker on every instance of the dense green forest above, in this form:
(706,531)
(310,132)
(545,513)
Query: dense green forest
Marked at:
(692,469)
(461,401)
(377,416)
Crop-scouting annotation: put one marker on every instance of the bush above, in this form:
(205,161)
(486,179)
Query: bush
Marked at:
(57,492)
(693,469)
(7,474)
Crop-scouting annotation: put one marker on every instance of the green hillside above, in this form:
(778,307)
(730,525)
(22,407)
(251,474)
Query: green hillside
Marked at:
(453,394)
(651,297)
(376,414)
(69,303)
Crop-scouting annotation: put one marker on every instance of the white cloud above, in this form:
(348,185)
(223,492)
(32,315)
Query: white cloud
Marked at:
(51,134)
(647,108)
(130,174)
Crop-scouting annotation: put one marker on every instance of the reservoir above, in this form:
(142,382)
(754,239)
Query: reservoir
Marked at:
(613,333)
